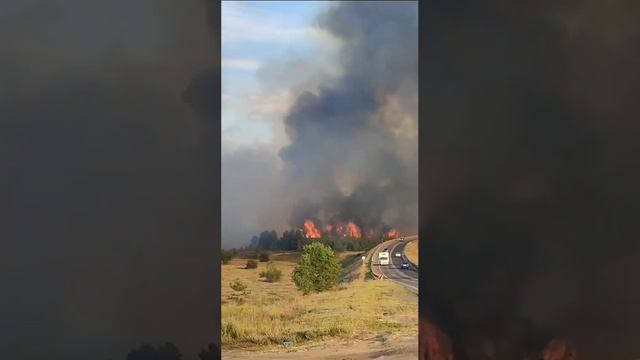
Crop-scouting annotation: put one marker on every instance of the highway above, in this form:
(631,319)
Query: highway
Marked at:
(393,272)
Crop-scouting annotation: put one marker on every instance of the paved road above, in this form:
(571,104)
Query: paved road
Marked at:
(393,272)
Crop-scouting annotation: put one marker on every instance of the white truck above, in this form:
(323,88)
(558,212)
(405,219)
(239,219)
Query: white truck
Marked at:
(383,257)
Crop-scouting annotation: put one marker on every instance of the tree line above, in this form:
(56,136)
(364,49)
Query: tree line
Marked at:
(295,240)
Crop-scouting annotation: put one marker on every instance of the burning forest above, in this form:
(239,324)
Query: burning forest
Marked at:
(337,229)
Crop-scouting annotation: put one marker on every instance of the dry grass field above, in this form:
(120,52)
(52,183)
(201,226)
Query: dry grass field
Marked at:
(270,313)
(411,251)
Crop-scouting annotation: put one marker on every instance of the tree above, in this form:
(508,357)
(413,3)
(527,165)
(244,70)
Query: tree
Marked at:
(226,256)
(289,240)
(272,274)
(273,235)
(317,270)
(254,243)
(264,257)
(238,285)
(267,240)
(304,242)
(168,351)
(300,238)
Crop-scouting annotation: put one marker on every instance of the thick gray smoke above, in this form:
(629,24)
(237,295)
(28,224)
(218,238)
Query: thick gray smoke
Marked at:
(353,149)
(531,176)
(108,182)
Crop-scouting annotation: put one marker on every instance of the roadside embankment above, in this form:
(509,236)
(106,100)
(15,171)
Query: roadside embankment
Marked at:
(412,253)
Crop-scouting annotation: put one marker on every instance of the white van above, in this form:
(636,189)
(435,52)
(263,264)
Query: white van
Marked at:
(383,258)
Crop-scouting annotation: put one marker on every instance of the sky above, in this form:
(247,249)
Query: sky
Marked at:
(253,35)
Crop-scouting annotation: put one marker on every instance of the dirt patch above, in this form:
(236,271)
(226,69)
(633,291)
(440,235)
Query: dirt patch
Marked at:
(375,348)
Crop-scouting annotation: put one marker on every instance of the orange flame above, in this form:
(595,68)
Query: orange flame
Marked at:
(311,230)
(393,233)
(353,230)
(435,344)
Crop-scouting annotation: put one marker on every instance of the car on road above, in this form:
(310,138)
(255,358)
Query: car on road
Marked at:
(405,265)
(398,254)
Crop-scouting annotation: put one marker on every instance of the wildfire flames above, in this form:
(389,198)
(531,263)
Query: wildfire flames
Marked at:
(393,233)
(336,228)
(311,230)
(353,230)
(436,345)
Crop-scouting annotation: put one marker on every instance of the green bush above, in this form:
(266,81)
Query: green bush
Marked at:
(252,264)
(273,274)
(318,270)
(226,256)
(264,257)
(238,285)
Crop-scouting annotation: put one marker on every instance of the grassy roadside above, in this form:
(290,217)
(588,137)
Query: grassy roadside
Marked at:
(411,251)
(270,313)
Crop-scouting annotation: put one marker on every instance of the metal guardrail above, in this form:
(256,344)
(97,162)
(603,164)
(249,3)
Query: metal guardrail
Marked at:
(368,261)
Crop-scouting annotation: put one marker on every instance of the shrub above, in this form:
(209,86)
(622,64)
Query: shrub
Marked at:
(317,270)
(264,257)
(273,274)
(251,264)
(226,256)
(238,285)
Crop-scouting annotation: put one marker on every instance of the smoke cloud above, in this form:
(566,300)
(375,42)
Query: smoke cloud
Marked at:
(346,144)
(353,142)
(108,182)
(530,176)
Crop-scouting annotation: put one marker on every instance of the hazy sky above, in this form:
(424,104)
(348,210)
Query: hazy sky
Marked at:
(255,34)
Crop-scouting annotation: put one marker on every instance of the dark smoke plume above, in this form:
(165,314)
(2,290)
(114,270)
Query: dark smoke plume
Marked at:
(353,150)
(109,190)
(531,172)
